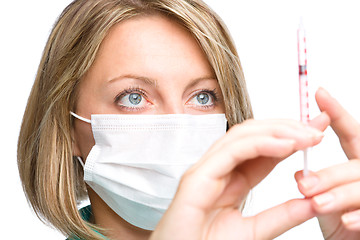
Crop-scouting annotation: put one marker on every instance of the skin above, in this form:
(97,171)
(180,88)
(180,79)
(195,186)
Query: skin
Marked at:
(155,58)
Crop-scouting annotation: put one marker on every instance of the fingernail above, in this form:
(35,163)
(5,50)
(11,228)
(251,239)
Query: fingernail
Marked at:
(351,218)
(324,199)
(319,135)
(316,133)
(299,175)
(324,90)
(309,182)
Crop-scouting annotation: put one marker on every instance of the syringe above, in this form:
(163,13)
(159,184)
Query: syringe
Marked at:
(303,85)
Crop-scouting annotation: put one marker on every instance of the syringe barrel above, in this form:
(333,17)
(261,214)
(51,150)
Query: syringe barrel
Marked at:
(304,98)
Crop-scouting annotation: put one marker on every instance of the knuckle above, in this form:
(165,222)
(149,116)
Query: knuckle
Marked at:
(236,128)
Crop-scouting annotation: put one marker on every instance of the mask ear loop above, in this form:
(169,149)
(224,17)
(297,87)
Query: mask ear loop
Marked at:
(80,118)
(81,161)
(85,120)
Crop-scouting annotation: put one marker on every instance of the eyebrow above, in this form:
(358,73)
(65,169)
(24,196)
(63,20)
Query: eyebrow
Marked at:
(195,81)
(146,80)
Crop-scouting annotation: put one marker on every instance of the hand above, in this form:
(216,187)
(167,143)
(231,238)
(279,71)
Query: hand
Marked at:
(335,191)
(206,205)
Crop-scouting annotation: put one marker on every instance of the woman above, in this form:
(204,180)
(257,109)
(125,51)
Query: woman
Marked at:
(156,58)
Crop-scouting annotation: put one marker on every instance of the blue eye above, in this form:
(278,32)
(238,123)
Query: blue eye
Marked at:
(203,99)
(135,98)
(131,100)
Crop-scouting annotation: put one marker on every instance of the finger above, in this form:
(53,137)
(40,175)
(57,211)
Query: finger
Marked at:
(277,220)
(326,179)
(351,220)
(340,198)
(320,122)
(223,162)
(344,125)
(275,128)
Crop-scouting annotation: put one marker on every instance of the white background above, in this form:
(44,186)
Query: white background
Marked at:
(265,35)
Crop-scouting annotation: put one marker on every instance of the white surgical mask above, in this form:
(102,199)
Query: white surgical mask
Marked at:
(137,160)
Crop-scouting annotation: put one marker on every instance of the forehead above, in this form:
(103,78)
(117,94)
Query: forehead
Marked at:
(149,33)
(140,43)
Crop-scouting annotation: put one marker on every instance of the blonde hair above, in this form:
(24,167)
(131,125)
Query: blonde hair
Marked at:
(52,180)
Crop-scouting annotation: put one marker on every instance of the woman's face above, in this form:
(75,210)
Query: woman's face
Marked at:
(146,65)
